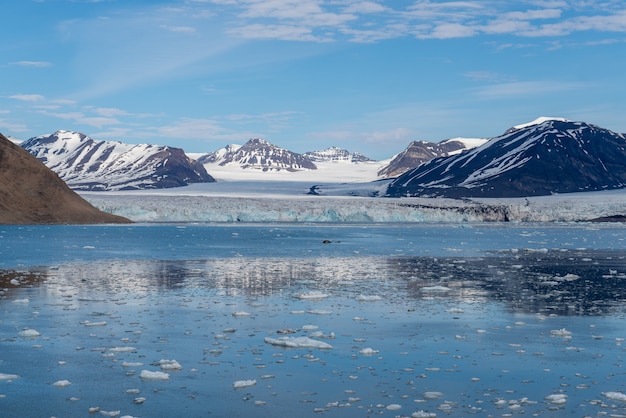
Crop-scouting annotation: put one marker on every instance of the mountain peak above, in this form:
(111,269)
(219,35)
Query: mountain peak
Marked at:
(538,121)
(554,156)
(88,164)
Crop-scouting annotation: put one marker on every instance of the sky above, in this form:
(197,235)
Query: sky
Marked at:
(367,76)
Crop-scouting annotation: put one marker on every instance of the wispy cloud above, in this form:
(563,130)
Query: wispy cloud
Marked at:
(317,20)
(35,64)
(524,88)
(28,97)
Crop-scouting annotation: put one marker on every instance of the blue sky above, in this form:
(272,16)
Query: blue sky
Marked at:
(368,76)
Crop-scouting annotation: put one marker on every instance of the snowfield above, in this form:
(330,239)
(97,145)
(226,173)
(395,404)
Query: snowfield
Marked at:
(290,201)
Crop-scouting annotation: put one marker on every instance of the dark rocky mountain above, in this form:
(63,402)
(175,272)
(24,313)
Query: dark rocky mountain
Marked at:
(31,193)
(419,152)
(540,158)
(337,154)
(88,164)
(261,155)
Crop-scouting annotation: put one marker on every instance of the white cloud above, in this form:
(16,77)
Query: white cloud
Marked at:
(28,97)
(179,29)
(524,88)
(38,64)
(365,7)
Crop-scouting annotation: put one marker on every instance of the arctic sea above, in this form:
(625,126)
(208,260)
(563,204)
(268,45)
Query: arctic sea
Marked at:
(330,320)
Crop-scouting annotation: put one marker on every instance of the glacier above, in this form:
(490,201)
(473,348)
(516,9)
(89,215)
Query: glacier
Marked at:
(288,202)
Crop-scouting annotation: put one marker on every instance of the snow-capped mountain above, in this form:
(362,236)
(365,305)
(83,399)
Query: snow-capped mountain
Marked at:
(419,152)
(88,164)
(546,156)
(259,154)
(336,154)
(31,193)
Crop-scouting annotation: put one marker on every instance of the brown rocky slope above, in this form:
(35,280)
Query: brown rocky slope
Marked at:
(31,193)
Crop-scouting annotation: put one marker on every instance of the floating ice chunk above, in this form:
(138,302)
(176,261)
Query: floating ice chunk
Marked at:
(320,312)
(24,301)
(15,282)
(243,384)
(432,395)
(149,375)
(131,364)
(368,351)
(435,289)
(29,333)
(122,349)
(62,383)
(569,277)
(556,398)
(95,324)
(312,295)
(423,414)
(298,342)
(110,413)
(6,376)
(368,298)
(169,365)
(241,313)
(309,327)
(561,333)
(615,396)
(393,407)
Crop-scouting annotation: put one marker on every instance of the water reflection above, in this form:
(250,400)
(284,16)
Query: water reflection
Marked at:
(562,282)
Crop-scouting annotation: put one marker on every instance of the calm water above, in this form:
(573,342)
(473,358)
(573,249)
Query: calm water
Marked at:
(426,320)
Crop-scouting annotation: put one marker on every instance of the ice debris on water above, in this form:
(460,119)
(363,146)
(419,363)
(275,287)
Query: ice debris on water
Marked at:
(312,295)
(368,351)
(368,298)
(29,333)
(244,383)
(423,414)
(169,365)
(298,342)
(61,383)
(150,375)
(561,333)
(7,376)
(556,398)
(615,396)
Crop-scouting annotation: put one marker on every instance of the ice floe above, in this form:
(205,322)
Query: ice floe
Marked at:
(8,376)
(615,396)
(239,384)
(61,383)
(150,375)
(298,342)
(312,295)
(29,333)
(169,365)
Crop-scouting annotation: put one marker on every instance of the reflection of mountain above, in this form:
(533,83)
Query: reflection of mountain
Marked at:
(572,282)
(558,282)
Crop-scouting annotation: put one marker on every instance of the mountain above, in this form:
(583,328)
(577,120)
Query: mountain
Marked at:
(87,164)
(259,154)
(543,157)
(419,152)
(338,155)
(31,193)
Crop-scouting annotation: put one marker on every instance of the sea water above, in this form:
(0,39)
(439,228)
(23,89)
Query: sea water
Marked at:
(201,320)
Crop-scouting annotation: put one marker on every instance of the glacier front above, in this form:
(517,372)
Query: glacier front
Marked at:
(289,203)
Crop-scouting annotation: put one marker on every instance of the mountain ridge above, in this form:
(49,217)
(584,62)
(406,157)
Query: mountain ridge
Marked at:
(31,193)
(95,165)
(551,156)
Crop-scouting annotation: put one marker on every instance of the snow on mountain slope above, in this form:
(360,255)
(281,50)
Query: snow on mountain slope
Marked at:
(552,156)
(419,152)
(336,154)
(232,163)
(259,154)
(87,164)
